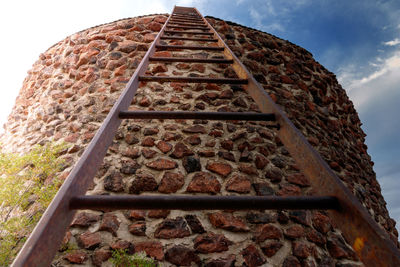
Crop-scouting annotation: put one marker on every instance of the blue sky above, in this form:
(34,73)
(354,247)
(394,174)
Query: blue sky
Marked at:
(358,40)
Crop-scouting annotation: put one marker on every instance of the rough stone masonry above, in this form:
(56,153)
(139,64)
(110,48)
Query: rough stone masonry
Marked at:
(73,85)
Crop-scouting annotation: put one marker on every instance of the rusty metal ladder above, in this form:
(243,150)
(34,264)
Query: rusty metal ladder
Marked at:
(371,243)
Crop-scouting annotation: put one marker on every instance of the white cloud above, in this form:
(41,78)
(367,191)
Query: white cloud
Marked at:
(258,18)
(393,42)
(384,80)
(255,16)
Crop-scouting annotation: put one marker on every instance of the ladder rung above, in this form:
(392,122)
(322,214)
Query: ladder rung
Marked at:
(192,60)
(188,24)
(192,79)
(185,16)
(204,202)
(247,116)
(188,38)
(191,47)
(188,32)
(186,20)
(188,27)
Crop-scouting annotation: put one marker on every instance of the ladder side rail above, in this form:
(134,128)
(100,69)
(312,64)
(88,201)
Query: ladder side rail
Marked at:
(371,243)
(44,241)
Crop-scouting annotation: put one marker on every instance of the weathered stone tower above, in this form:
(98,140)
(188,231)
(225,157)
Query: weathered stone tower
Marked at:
(72,87)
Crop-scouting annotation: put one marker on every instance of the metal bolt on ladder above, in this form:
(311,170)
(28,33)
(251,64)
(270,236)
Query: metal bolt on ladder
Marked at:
(374,246)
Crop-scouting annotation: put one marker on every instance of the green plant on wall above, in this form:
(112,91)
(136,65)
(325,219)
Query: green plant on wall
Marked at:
(28,183)
(120,258)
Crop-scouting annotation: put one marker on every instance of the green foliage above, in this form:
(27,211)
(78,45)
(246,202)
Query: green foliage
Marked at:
(28,183)
(121,258)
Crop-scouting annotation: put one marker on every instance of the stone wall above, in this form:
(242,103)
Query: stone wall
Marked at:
(71,88)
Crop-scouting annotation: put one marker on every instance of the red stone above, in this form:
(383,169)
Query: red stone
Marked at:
(267,231)
(239,184)
(180,151)
(227,155)
(252,257)
(227,144)
(127,46)
(85,219)
(194,224)
(72,138)
(213,86)
(195,129)
(289,190)
(150,131)
(143,182)
(171,182)
(295,231)
(123,245)
(154,26)
(159,68)
(120,71)
(300,216)
(129,166)
(77,257)
(316,237)
(152,249)
(148,153)
(321,222)
(298,179)
(286,79)
(171,136)
(148,141)
(206,153)
(338,249)
(164,146)
(160,19)
(158,214)
(301,249)
(182,66)
(210,242)
(193,140)
(261,162)
(226,94)
(247,169)
(83,59)
(238,135)
(137,214)
(138,228)
(110,223)
(114,182)
(291,261)
(181,256)
(100,256)
(204,182)
(144,102)
(162,164)
(149,37)
(263,189)
(89,240)
(216,133)
(172,228)
(198,67)
(162,54)
(131,139)
(273,69)
(271,248)
(228,222)
(220,168)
